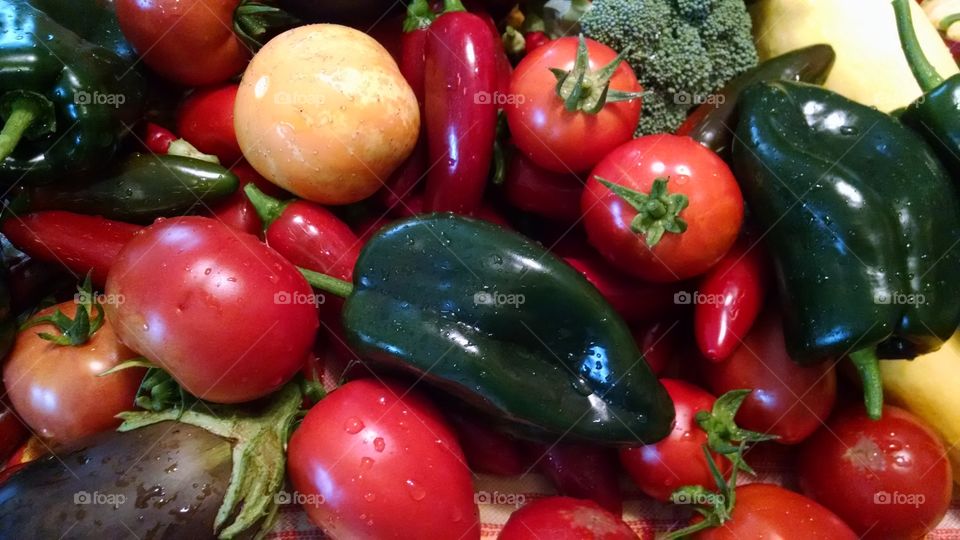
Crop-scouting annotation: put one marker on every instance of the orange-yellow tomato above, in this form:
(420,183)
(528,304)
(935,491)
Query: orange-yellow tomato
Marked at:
(324,112)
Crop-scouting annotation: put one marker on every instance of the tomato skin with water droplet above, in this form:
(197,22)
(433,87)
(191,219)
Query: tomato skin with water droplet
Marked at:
(370,452)
(565,518)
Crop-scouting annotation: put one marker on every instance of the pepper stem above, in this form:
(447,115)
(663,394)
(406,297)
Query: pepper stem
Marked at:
(327,283)
(657,212)
(17,123)
(450,6)
(419,16)
(267,207)
(926,75)
(868,366)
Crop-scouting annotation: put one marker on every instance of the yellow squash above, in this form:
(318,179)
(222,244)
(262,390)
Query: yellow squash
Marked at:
(870,66)
(929,387)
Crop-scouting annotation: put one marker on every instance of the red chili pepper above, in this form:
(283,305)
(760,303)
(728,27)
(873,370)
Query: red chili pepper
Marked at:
(546,193)
(487,451)
(582,471)
(461,116)
(307,234)
(729,298)
(158,138)
(504,67)
(236,211)
(532,40)
(658,343)
(206,120)
(404,180)
(636,301)
(80,243)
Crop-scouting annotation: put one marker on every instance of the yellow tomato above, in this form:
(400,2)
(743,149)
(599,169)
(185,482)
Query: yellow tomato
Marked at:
(324,112)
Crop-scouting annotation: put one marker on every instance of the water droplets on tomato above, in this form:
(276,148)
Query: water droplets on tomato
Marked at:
(353,425)
(379,444)
(415,490)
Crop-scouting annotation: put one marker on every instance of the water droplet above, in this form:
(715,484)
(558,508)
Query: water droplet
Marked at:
(207,271)
(415,490)
(379,444)
(353,425)
(366,463)
(369,496)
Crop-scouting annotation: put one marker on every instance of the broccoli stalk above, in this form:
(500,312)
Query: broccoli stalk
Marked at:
(681,50)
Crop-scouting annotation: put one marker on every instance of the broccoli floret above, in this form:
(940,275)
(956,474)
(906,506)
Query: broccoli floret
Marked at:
(681,50)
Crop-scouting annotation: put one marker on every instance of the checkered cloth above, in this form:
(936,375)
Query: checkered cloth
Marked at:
(641,513)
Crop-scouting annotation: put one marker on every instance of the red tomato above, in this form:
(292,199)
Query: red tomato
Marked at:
(766,511)
(658,343)
(205,120)
(788,399)
(236,211)
(56,389)
(227,316)
(542,128)
(713,216)
(546,193)
(659,469)
(190,42)
(888,479)
(369,464)
(564,518)
(12,431)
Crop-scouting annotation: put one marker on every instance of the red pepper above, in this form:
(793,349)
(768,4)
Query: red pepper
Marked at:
(504,67)
(546,193)
(487,451)
(158,138)
(206,120)
(658,343)
(78,242)
(582,471)
(236,211)
(636,301)
(532,40)
(307,234)
(404,180)
(461,116)
(729,298)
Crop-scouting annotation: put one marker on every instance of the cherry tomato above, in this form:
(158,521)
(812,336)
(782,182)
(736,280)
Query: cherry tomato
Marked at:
(227,316)
(205,120)
(659,469)
(57,390)
(788,399)
(564,518)
(766,511)
(190,42)
(888,479)
(543,129)
(374,460)
(713,215)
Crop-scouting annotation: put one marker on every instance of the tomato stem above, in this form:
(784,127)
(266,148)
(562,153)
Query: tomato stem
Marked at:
(588,91)
(327,283)
(926,75)
(657,212)
(449,6)
(868,366)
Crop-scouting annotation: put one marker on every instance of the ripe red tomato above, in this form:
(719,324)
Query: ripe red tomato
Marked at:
(205,120)
(769,511)
(713,216)
(549,194)
(190,42)
(56,389)
(888,478)
(788,400)
(553,137)
(227,316)
(368,463)
(564,518)
(678,460)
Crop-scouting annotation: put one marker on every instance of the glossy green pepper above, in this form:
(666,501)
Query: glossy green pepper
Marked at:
(862,221)
(495,320)
(936,114)
(68,90)
(139,189)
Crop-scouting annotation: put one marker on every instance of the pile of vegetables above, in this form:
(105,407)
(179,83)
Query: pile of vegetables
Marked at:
(348,256)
